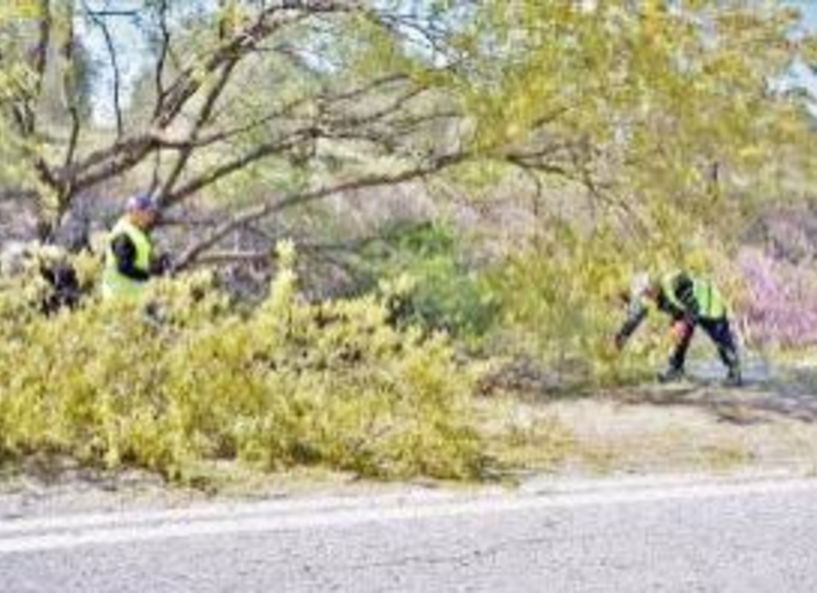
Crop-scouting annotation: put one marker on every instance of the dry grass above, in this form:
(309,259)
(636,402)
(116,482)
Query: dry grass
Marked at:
(655,431)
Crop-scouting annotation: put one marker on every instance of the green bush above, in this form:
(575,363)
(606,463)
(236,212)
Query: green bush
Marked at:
(561,305)
(191,380)
(422,269)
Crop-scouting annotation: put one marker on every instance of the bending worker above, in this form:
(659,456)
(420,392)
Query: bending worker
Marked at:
(129,257)
(690,302)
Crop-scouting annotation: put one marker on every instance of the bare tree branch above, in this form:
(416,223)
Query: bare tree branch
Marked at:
(224,135)
(128,152)
(203,117)
(394,105)
(377,83)
(41,50)
(260,152)
(24,101)
(265,210)
(69,90)
(17,194)
(73,139)
(231,257)
(269,20)
(157,168)
(351,131)
(112,161)
(25,112)
(303,246)
(114,60)
(161,63)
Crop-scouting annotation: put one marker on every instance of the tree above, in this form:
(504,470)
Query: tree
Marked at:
(639,106)
(647,107)
(191,110)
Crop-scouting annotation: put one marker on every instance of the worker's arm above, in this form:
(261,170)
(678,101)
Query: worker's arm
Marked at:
(125,252)
(686,294)
(638,312)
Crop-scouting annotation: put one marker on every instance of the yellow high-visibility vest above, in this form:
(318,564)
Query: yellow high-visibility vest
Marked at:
(711,304)
(114,283)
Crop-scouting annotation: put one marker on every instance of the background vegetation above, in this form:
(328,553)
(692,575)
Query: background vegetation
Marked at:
(469,185)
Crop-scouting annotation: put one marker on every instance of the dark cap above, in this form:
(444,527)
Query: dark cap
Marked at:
(141,203)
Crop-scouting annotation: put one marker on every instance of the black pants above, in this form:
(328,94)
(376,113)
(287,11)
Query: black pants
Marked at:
(719,332)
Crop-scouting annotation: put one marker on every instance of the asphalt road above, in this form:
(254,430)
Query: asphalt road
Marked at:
(685,536)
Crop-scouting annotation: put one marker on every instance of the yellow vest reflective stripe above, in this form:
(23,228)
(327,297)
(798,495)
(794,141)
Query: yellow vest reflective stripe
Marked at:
(114,282)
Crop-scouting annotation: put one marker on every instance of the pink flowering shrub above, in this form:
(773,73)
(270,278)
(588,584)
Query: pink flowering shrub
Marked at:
(780,306)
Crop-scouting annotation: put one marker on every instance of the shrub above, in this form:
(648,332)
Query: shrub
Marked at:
(423,270)
(780,307)
(190,379)
(559,304)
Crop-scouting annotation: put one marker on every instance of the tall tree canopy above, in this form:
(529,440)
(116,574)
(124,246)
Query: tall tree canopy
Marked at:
(642,105)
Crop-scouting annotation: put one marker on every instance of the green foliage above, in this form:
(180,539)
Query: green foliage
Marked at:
(648,103)
(659,113)
(558,298)
(422,268)
(189,380)
(561,299)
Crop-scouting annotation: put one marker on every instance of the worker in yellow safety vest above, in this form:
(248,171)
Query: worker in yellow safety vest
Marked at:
(129,255)
(690,302)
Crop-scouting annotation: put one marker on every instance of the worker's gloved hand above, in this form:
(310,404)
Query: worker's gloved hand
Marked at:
(161,265)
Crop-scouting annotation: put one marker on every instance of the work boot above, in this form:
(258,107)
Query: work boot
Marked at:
(733,377)
(670,375)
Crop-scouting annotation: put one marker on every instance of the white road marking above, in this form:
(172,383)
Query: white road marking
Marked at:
(19,536)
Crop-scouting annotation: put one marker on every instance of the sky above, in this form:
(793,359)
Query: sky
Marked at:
(809,10)
(800,75)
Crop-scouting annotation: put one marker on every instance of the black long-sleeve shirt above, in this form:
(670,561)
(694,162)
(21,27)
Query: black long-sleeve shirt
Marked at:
(125,252)
(684,292)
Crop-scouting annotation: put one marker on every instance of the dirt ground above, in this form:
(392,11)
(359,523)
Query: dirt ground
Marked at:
(696,425)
